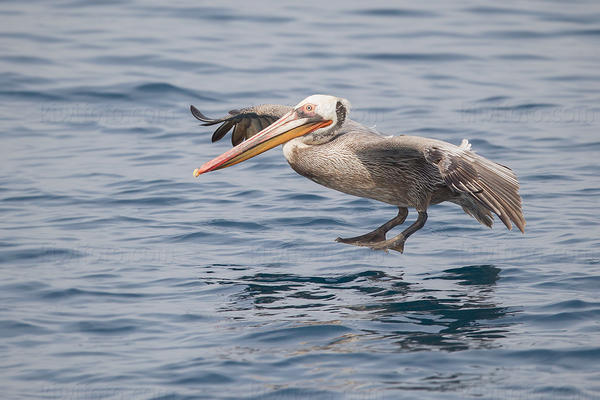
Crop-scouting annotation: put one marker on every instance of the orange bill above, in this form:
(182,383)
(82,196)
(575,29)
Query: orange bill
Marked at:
(286,128)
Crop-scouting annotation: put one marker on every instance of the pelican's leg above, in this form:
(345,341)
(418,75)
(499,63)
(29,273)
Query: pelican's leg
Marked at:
(378,235)
(397,242)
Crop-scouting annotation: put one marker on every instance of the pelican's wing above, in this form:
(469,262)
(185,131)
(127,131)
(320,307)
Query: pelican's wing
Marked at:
(246,122)
(492,185)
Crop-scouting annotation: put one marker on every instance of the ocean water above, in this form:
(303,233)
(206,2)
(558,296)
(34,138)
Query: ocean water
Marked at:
(123,277)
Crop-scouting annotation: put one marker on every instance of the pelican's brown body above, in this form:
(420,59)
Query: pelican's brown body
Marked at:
(365,164)
(405,171)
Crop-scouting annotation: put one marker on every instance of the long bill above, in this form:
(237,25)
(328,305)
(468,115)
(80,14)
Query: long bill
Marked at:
(284,129)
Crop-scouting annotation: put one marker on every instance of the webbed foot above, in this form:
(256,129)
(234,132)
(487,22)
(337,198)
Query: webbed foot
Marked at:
(396,243)
(364,240)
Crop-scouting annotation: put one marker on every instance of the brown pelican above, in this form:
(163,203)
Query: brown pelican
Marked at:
(321,143)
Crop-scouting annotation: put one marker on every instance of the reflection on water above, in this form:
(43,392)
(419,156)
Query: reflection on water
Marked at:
(459,315)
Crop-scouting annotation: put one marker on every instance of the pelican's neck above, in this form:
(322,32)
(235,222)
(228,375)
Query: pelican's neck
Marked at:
(290,148)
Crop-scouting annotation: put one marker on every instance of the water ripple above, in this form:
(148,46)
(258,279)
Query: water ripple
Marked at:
(415,57)
(394,12)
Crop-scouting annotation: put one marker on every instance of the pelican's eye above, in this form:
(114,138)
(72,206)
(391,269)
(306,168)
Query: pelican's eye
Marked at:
(309,108)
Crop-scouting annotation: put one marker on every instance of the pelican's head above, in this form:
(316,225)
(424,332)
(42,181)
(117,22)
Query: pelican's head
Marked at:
(315,119)
(328,108)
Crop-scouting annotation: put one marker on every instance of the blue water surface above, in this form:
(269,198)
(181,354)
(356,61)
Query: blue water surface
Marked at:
(123,277)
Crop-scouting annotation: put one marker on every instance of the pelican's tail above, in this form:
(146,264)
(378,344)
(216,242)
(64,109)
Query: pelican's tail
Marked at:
(500,192)
(476,210)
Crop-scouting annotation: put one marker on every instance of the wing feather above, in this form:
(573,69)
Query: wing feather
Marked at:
(492,185)
(245,122)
